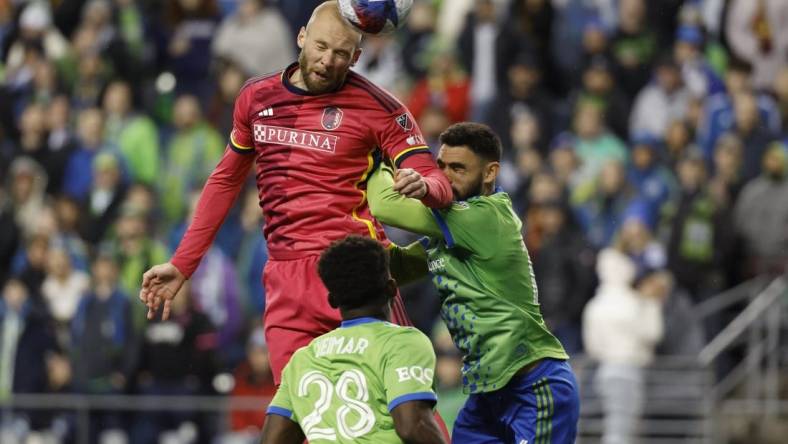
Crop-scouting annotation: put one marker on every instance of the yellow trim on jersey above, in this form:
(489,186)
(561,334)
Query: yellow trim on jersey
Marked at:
(238,145)
(413,148)
(370,226)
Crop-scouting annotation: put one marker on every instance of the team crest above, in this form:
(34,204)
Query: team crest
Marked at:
(332,118)
(404,122)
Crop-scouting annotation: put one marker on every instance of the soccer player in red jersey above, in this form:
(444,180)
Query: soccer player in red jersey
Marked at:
(310,132)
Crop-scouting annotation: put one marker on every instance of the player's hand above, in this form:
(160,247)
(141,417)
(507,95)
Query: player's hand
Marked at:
(160,284)
(409,183)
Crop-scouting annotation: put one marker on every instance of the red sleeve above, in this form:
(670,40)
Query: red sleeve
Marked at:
(241,136)
(220,191)
(397,134)
(218,196)
(400,139)
(439,193)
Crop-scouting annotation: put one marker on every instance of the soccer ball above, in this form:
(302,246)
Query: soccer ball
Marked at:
(375,16)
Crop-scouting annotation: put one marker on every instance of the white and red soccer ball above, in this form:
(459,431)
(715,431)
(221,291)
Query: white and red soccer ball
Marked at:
(375,16)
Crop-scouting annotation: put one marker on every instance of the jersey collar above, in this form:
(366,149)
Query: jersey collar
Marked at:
(296,90)
(358,321)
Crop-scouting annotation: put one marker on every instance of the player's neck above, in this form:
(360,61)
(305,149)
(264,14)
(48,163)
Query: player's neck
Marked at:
(365,312)
(297,80)
(488,189)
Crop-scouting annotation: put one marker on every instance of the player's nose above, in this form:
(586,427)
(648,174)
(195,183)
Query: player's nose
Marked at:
(327,60)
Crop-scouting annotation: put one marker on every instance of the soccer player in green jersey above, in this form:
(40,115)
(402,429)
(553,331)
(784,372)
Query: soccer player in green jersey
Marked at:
(368,381)
(521,388)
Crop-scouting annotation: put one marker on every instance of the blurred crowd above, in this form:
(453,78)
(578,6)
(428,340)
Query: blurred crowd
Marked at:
(644,148)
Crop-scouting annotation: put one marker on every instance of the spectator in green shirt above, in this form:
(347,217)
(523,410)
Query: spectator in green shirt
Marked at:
(134,134)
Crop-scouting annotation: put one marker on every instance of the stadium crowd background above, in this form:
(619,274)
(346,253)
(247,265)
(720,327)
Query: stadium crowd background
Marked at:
(654,127)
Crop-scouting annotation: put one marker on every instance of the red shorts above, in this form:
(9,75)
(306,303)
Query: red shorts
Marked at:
(297,310)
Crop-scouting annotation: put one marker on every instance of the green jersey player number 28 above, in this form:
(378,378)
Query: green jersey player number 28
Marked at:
(368,381)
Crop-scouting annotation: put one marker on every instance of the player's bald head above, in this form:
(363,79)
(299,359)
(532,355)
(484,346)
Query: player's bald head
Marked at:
(327,14)
(329,47)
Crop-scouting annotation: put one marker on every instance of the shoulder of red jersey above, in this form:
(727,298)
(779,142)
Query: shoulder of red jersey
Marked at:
(385,99)
(261,81)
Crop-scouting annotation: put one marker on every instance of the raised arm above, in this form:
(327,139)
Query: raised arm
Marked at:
(391,208)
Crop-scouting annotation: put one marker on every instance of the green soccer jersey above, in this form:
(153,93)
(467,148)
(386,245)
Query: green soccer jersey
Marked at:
(344,384)
(484,277)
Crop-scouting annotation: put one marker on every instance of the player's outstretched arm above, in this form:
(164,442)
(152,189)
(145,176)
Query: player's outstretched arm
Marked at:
(220,192)
(392,208)
(160,284)
(415,423)
(280,430)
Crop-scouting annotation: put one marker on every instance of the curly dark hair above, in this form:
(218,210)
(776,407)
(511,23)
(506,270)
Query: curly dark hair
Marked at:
(479,138)
(355,270)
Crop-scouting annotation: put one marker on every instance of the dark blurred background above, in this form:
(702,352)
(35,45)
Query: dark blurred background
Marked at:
(652,128)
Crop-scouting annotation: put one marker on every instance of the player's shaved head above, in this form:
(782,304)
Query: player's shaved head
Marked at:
(328,12)
(329,47)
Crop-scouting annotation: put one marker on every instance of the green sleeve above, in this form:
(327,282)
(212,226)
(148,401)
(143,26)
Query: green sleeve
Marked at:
(408,368)
(391,208)
(408,264)
(282,403)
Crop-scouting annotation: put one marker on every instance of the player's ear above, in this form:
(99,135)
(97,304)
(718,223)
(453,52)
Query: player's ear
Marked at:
(491,171)
(356,55)
(301,39)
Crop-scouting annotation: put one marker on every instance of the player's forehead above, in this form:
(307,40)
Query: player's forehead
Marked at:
(333,32)
(456,154)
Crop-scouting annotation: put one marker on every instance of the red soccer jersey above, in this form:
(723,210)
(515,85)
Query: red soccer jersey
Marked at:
(312,155)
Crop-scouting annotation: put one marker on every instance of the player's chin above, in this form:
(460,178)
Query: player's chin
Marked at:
(321,84)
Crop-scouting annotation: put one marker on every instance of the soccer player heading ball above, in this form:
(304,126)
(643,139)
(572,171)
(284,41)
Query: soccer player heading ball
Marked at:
(310,132)
(368,381)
